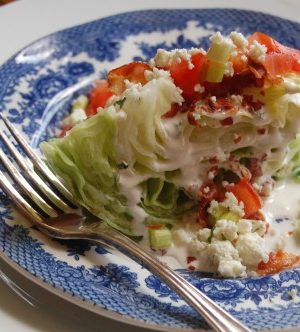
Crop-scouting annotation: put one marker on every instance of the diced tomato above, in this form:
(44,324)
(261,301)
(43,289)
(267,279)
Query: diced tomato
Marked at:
(238,63)
(269,42)
(279,64)
(133,72)
(186,78)
(155,226)
(244,192)
(277,262)
(290,60)
(98,97)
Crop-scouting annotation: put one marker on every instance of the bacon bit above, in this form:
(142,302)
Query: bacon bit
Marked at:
(254,166)
(258,71)
(191,268)
(64,130)
(277,262)
(154,226)
(221,104)
(237,139)
(192,120)
(190,259)
(133,72)
(235,84)
(207,195)
(173,111)
(227,121)
(253,106)
(261,131)
(262,93)
(291,233)
(214,160)
(202,215)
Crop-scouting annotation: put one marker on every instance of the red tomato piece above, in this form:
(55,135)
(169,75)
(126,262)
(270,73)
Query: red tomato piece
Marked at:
(278,64)
(133,72)
(155,226)
(186,78)
(244,192)
(269,42)
(239,64)
(98,97)
(277,262)
(290,60)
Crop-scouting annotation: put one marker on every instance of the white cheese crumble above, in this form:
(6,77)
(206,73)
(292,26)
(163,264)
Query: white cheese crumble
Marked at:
(238,39)
(244,58)
(251,249)
(293,294)
(219,39)
(229,71)
(225,229)
(213,99)
(206,190)
(204,234)
(77,116)
(165,58)
(232,203)
(199,88)
(156,73)
(257,52)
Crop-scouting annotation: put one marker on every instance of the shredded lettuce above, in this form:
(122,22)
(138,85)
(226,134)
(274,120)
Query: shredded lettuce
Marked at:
(86,160)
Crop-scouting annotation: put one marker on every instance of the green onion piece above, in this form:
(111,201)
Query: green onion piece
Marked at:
(215,72)
(160,238)
(220,52)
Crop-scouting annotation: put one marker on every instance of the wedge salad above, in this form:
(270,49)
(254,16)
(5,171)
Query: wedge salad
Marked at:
(185,150)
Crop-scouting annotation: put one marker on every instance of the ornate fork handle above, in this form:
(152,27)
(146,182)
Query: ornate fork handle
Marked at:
(216,317)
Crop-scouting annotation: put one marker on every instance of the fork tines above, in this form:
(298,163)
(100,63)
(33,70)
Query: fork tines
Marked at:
(42,198)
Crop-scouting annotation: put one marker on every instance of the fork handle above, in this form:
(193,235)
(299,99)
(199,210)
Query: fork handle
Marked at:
(214,315)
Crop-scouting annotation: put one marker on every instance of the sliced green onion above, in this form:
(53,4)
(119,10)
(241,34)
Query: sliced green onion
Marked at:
(160,238)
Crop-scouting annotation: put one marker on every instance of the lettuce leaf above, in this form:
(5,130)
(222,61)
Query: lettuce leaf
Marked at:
(164,202)
(86,160)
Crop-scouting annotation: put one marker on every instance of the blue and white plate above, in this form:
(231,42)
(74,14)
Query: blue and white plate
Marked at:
(37,86)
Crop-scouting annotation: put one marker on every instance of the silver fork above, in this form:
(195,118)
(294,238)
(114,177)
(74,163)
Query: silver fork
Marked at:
(58,217)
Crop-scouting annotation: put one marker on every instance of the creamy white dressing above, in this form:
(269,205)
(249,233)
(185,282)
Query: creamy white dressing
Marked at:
(174,144)
(281,209)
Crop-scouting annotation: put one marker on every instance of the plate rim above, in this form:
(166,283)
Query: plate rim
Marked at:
(85,305)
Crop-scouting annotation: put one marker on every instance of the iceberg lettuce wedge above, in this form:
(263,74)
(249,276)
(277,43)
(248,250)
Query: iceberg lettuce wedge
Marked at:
(86,160)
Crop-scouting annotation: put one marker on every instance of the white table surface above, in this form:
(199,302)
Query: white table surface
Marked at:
(23,22)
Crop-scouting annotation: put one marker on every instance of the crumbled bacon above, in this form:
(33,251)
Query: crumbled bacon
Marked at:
(254,166)
(278,261)
(221,104)
(251,104)
(173,111)
(261,131)
(237,139)
(227,121)
(190,259)
(192,120)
